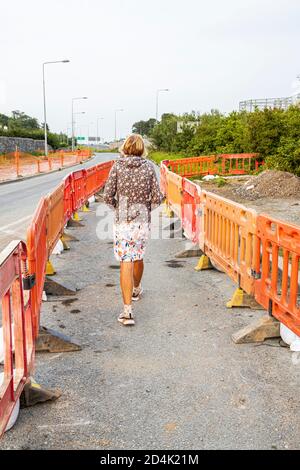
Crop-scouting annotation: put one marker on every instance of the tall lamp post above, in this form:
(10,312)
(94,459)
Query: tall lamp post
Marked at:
(74,99)
(98,119)
(157,99)
(73,127)
(44,96)
(116,111)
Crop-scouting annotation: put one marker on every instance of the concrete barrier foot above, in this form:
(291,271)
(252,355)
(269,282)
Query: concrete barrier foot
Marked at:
(203,263)
(52,287)
(52,341)
(34,393)
(258,331)
(241,299)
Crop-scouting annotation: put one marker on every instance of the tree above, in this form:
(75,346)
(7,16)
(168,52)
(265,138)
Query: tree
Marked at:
(144,127)
(21,120)
(204,142)
(164,133)
(3,120)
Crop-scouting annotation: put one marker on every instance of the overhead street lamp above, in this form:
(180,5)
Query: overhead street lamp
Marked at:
(44,96)
(157,98)
(116,111)
(98,119)
(74,99)
(73,127)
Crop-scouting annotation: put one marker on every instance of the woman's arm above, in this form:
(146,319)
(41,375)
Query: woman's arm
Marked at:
(110,189)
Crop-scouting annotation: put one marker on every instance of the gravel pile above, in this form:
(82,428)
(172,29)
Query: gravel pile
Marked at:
(270,183)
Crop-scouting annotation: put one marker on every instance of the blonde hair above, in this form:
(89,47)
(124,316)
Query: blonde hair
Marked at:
(134,145)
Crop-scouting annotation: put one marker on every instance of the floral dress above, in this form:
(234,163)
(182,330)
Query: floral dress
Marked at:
(132,190)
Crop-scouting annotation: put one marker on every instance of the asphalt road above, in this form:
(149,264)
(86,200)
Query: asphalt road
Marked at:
(18,200)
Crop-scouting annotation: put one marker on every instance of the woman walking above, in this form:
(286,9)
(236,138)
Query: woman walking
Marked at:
(132,190)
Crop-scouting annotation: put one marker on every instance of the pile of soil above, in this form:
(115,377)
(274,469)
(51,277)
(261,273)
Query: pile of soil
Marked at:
(271,184)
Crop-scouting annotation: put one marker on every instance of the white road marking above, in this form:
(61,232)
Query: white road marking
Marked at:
(5,228)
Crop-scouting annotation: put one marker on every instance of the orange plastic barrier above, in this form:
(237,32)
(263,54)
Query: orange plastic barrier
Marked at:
(230,238)
(16,277)
(37,258)
(79,193)
(174,194)
(17,325)
(191,210)
(103,170)
(21,164)
(224,164)
(55,217)
(68,199)
(195,166)
(277,270)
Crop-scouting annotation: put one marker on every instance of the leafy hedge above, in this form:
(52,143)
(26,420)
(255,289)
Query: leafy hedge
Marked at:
(273,133)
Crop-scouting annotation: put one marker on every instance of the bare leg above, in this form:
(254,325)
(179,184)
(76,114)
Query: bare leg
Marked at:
(126,281)
(138,269)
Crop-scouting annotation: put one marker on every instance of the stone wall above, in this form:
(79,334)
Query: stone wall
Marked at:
(8,144)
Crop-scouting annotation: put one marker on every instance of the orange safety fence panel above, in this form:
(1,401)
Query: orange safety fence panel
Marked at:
(37,257)
(191,210)
(17,329)
(68,200)
(96,177)
(277,270)
(223,164)
(103,170)
(55,217)
(230,238)
(79,193)
(174,195)
(91,184)
(193,166)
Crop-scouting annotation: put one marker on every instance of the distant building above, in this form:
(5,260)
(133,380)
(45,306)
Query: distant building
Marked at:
(271,103)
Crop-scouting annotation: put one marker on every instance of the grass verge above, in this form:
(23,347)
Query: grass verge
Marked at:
(158,157)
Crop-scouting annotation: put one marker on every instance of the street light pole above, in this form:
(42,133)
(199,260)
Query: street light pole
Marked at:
(88,137)
(116,110)
(98,119)
(74,99)
(157,98)
(44,99)
(73,128)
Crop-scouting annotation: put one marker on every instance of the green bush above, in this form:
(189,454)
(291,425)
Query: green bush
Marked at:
(273,133)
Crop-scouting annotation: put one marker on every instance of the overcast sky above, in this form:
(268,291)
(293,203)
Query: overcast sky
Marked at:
(211,54)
